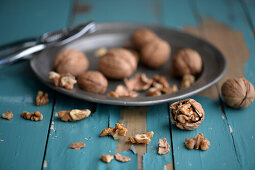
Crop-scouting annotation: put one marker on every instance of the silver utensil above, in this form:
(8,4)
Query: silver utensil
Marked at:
(23,49)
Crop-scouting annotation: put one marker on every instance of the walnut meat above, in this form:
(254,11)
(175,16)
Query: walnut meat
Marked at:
(122,91)
(118,63)
(77,146)
(73,115)
(71,61)
(93,81)
(163,146)
(187,81)
(238,92)
(141,138)
(116,132)
(187,114)
(66,80)
(198,142)
(107,158)
(41,99)
(141,37)
(187,61)
(139,82)
(7,115)
(35,116)
(156,53)
(121,158)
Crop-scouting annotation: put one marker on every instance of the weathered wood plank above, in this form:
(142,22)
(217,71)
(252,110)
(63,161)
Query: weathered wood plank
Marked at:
(22,142)
(248,7)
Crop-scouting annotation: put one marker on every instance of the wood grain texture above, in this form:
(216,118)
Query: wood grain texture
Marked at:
(22,142)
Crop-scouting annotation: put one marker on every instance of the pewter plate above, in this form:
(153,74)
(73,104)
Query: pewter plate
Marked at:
(112,35)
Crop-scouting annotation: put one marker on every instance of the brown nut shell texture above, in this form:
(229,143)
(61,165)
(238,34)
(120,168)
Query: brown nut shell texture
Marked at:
(187,61)
(118,63)
(238,93)
(187,114)
(141,37)
(93,81)
(71,61)
(155,53)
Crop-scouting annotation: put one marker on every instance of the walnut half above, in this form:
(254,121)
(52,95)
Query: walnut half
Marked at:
(73,115)
(187,114)
(141,138)
(116,132)
(197,142)
(35,116)
(66,80)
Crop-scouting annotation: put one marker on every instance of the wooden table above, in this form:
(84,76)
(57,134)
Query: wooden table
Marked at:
(229,25)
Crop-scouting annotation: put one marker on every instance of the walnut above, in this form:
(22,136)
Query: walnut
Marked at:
(187,81)
(169,90)
(93,81)
(139,82)
(100,52)
(163,146)
(187,114)
(154,92)
(238,92)
(122,91)
(41,99)
(35,116)
(7,115)
(197,142)
(107,158)
(77,146)
(141,37)
(118,63)
(156,53)
(71,61)
(66,81)
(141,138)
(116,132)
(73,115)
(121,158)
(162,80)
(187,61)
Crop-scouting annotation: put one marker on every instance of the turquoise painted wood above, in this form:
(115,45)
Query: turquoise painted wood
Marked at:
(242,122)
(22,142)
(248,7)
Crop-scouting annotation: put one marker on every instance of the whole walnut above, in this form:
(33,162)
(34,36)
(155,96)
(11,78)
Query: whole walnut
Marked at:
(118,63)
(187,61)
(93,81)
(71,61)
(238,92)
(156,53)
(141,37)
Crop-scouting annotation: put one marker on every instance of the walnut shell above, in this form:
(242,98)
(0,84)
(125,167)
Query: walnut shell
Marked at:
(141,37)
(155,53)
(187,61)
(238,93)
(182,116)
(71,61)
(93,81)
(118,63)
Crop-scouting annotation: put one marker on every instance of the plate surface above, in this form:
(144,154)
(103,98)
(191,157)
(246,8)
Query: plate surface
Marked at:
(112,35)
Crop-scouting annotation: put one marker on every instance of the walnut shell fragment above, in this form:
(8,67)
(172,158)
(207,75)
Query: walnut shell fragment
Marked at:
(107,158)
(93,81)
(122,158)
(138,83)
(71,61)
(187,61)
(238,93)
(122,91)
(141,138)
(118,63)
(73,115)
(35,116)
(163,146)
(187,114)
(7,115)
(116,132)
(77,146)
(198,142)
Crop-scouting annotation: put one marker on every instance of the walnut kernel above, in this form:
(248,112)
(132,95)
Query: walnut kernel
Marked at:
(100,52)
(107,158)
(116,132)
(73,115)
(187,81)
(122,91)
(139,82)
(66,81)
(35,116)
(7,115)
(163,146)
(77,146)
(197,142)
(141,138)
(121,158)
(41,99)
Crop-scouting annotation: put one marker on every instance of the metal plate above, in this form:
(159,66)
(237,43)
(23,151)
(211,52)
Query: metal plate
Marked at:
(111,35)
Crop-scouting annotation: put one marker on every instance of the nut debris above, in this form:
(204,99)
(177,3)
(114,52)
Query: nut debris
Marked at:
(107,158)
(73,115)
(35,116)
(116,132)
(100,52)
(138,83)
(187,81)
(66,80)
(7,115)
(121,158)
(197,142)
(163,146)
(77,146)
(141,138)
(122,91)
(41,99)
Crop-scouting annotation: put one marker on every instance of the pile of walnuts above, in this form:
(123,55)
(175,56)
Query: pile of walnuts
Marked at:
(72,66)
